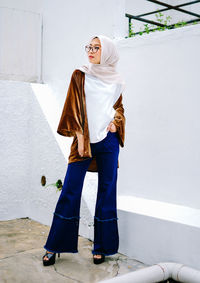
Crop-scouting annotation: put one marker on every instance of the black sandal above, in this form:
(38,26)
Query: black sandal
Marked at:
(99,260)
(51,258)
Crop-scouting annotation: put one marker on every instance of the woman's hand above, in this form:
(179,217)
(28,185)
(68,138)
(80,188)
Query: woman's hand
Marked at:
(80,143)
(111,127)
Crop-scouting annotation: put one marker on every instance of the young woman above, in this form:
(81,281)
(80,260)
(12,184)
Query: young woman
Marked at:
(93,114)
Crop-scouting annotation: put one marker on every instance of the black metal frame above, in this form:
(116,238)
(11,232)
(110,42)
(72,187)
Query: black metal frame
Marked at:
(168,7)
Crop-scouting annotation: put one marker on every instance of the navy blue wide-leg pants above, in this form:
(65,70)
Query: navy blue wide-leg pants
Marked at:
(63,235)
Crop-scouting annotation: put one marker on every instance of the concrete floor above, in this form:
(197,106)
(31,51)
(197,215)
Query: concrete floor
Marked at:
(21,251)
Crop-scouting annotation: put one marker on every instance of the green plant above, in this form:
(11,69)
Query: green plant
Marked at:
(58,185)
(131,33)
(146,28)
(141,32)
(160,18)
(180,24)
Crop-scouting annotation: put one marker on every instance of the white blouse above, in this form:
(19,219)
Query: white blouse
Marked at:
(100,99)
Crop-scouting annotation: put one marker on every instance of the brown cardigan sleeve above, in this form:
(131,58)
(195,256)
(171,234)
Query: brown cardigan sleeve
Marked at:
(70,120)
(120,120)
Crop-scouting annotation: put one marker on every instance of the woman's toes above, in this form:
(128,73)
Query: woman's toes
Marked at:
(46,257)
(97,256)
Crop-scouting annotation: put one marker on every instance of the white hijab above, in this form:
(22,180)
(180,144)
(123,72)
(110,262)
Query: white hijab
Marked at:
(106,70)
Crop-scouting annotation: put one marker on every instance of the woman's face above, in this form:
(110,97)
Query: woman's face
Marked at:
(94,55)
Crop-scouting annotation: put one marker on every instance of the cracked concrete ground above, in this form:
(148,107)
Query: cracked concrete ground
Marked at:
(21,251)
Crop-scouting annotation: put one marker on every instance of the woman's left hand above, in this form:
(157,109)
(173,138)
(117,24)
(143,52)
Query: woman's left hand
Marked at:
(111,127)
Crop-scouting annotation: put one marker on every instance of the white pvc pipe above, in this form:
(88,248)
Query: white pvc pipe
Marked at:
(158,273)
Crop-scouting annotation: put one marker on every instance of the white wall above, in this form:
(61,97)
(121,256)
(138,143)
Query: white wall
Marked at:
(161,157)
(24,5)
(14,150)
(67,29)
(28,151)
(20,36)
(31,148)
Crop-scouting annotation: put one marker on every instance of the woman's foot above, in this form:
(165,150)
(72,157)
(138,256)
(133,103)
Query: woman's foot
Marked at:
(49,258)
(45,257)
(98,258)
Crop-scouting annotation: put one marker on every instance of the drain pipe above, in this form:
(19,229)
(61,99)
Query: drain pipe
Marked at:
(158,273)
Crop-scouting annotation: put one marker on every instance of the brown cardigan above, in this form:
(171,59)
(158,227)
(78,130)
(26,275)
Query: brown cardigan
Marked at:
(74,118)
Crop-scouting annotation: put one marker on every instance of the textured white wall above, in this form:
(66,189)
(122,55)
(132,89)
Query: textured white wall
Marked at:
(25,5)
(14,149)
(20,36)
(30,148)
(161,157)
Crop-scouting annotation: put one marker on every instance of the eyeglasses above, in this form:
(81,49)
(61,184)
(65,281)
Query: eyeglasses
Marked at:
(93,48)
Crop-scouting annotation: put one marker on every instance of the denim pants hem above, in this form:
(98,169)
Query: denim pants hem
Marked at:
(63,235)
(106,238)
(75,251)
(106,254)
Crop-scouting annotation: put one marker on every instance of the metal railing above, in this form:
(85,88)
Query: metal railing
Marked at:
(168,7)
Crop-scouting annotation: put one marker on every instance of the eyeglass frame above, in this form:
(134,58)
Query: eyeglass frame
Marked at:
(92,48)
